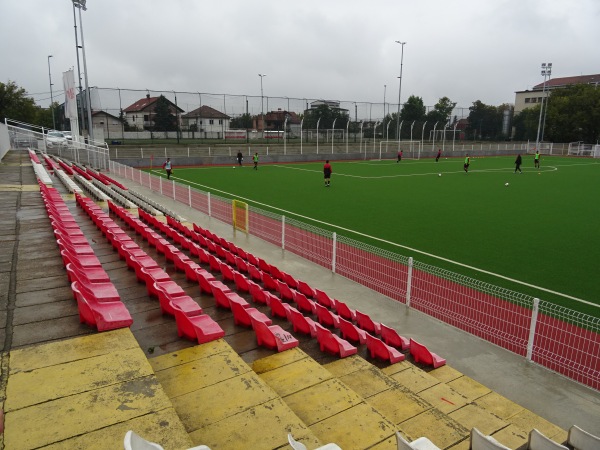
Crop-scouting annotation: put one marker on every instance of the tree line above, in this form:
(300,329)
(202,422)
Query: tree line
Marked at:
(572,114)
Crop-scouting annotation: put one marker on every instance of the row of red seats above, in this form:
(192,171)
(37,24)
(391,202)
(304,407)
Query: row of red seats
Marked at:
(97,299)
(387,347)
(330,312)
(104,179)
(190,319)
(267,334)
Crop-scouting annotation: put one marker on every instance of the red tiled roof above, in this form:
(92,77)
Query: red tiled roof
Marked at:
(206,112)
(565,81)
(141,104)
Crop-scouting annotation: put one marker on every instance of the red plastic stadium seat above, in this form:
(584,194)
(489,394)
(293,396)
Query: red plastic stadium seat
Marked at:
(326,317)
(276,273)
(391,337)
(300,322)
(268,282)
(226,272)
(331,343)
(241,282)
(352,332)
(151,276)
(264,266)
(273,336)
(378,349)
(325,299)
(170,293)
(344,311)
(276,305)
(100,291)
(284,291)
(244,316)
(205,278)
(252,259)
(421,354)
(201,327)
(290,280)
(364,322)
(303,303)
(241,264)
(259,295)
(103,315)
(254,273)
(306,289)
(215,264)
(222,297)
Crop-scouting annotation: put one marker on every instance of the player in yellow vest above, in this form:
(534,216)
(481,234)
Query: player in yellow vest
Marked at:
(536,159)
(467,162)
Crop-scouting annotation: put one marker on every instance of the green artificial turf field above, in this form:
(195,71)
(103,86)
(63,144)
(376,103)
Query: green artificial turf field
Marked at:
(541,229)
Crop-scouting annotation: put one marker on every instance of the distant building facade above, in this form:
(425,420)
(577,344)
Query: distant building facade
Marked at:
(205,120)
(140,115)
(529,98)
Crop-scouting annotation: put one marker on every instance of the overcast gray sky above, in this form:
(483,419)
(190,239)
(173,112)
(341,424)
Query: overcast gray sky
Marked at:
(343,50)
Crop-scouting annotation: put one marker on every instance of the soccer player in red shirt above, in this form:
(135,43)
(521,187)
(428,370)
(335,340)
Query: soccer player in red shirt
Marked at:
(327,173)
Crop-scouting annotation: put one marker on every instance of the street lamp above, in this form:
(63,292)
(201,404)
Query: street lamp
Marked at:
(262,111)
(51,98)
(400,90)
(81,4)
(546,72)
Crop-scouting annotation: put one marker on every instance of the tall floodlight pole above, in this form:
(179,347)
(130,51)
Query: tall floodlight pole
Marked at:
(400,90)
(81,113)
(51,97)
(546,72)
(80,4)
(384,89)
(546,99)
(262,111)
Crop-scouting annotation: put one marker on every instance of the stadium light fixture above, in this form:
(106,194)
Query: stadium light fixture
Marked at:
(51,97)
(546,72)
(262,111)
(400,90)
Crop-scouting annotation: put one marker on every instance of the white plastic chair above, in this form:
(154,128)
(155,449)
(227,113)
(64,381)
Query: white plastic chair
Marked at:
(300,446)
(479,441)
(582,440)
(537,441)
(134,441)
(421,443)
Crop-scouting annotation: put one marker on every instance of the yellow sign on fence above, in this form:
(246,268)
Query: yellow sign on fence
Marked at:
(240,216)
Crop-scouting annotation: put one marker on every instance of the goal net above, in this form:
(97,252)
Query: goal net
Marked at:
(240,215)
(390,149)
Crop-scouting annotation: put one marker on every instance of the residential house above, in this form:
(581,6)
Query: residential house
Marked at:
(275,120)
(108,123)
(205,120)
(140,115)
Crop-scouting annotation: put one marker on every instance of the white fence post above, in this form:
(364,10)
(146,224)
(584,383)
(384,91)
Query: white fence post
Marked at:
(333,252)
(174,190)
(209,213)
(190,195)
(409,281)
(532,325)
(283,232)
(160,179)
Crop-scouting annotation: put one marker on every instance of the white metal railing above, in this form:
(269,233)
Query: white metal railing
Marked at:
(561,339)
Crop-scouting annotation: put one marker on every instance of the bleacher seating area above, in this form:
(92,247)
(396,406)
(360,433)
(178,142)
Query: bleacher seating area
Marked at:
(281,311)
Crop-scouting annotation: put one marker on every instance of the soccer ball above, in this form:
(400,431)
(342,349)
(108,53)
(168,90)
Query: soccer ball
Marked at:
(505,184)
(234,167)
(439,174)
